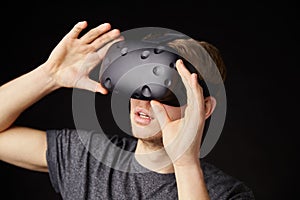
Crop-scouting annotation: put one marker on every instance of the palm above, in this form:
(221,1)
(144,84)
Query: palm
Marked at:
(73,58)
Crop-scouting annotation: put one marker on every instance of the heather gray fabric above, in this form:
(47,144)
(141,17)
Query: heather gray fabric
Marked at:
(77,175)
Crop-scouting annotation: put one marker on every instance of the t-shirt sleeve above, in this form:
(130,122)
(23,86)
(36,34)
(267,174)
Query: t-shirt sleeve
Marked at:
(71,153)
(51,156)
(65,155)
(223,186)
(55,154)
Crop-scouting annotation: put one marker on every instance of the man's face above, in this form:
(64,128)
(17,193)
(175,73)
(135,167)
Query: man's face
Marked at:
(143,122)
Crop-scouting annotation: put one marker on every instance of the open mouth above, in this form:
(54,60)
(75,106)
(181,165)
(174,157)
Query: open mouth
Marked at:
(142,117)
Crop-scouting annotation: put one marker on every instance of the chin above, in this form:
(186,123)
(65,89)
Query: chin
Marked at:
(146,133)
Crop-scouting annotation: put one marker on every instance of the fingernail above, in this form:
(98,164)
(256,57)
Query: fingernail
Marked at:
(152,103)
(103,91)
(179,61)
(105,24)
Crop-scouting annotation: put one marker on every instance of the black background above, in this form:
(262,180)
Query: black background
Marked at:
(259,45)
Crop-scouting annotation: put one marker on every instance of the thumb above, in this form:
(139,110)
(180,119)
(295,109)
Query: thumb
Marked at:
(160,113)
(91,85)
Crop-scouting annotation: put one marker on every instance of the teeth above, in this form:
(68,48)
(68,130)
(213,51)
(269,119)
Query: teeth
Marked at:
(143,115)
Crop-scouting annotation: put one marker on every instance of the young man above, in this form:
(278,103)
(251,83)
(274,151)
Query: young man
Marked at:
(69,155)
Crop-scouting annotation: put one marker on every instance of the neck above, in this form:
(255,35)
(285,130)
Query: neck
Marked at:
(152,155)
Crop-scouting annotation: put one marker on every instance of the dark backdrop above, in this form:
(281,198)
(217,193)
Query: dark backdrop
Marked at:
(258,44)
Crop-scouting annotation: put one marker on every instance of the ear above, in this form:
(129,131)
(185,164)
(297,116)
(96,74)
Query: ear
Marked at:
(210,105)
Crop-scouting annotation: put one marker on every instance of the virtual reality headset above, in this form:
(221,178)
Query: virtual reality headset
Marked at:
(145,69)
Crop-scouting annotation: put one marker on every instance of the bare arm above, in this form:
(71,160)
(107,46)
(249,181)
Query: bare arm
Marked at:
(22,92)
(68,65)
(24,147)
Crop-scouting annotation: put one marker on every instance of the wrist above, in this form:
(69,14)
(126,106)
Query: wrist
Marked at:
(189,177)
(188,168)
(187,162)
(47,75)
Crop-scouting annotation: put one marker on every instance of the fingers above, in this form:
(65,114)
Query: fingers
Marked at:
(160,113)
(95,33)
(185,76)
(76,30)
(195,99)
(91,85)
(102,51)
(96,37)
(197,95)
(105,39)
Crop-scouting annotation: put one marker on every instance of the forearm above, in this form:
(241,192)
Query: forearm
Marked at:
(190,182)
(20,93)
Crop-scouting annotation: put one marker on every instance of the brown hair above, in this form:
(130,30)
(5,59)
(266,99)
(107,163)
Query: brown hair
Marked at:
(216,56)
(189,48)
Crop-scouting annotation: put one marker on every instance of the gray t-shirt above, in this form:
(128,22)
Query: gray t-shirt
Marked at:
(88,165)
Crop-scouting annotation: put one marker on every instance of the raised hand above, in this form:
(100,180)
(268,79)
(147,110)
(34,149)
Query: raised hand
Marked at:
(73,58)
(182,137)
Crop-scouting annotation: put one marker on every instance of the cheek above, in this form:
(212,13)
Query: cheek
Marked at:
(175,112)
(132,104)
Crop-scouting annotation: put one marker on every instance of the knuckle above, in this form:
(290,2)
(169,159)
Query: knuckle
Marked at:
(91,47)
(77,28)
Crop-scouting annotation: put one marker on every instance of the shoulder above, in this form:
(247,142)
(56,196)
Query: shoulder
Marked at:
(224,186)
